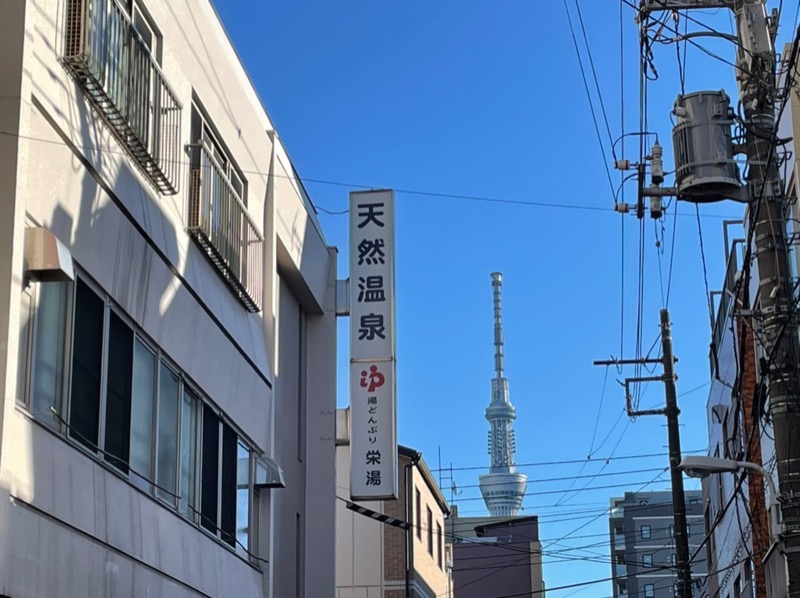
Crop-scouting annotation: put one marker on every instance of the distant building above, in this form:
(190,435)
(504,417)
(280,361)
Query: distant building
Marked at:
(371,555)
(503,488)
(642,538)
(507,545)
(167,325)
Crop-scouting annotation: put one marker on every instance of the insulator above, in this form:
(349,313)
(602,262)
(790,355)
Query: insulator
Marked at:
(657,164)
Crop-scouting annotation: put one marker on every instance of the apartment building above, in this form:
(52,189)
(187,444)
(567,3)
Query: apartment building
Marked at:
(167,318)
(382,558)
(642,538)
(743,552)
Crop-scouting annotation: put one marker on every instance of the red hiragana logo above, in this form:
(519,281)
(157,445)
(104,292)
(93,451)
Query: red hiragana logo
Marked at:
(372,380)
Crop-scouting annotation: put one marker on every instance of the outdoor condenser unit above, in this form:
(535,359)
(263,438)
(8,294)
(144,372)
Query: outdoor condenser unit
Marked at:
(705,170)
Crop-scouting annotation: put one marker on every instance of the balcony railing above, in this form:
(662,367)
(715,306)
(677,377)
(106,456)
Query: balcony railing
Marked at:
(106,55)
(219,222)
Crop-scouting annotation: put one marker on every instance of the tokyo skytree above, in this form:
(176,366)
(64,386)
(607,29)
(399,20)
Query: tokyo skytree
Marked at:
(502,488)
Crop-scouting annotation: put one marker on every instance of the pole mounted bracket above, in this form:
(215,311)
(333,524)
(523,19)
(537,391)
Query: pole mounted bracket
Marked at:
(648,6)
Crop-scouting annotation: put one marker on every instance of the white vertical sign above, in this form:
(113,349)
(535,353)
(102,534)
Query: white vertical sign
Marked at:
(373,433)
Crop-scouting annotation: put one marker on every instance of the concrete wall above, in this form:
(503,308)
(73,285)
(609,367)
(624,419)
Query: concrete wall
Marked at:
(98,535)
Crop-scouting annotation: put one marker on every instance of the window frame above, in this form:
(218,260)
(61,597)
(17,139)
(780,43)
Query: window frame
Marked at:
(61,423)
(418,509)
(210,137)
(440,546)
(649,590)
(643,535)
(647,560)
(28,355)
(429,514)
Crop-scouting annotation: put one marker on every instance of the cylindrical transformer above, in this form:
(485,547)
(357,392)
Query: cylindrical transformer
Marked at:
(705,170)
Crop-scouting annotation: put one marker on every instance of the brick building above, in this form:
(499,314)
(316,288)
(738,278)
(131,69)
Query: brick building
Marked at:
(371,555)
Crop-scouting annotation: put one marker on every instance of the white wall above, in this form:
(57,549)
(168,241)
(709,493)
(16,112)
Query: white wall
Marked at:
(97,534)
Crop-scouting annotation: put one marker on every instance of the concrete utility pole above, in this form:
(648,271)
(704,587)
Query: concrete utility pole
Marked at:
(775,310)
(676,475)
(671,411)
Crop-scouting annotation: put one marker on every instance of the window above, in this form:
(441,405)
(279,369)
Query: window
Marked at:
(118,393)
(111,48)
(647,560)
(430,530)
(49,333)
(188,466)
(217,215)
(671,530)
(204,136)
(167,438)
(218,477)
(209,470)
(135,410)
(142,402)
(439,547)
(673,560)
(649,591)
(418,512)
(243,483)
(144,27)
(644,531)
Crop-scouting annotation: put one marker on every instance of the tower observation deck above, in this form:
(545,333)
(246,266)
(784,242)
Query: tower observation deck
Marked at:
(502,488)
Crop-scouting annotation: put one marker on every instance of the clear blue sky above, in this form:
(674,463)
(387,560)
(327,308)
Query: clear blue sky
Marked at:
(486,99)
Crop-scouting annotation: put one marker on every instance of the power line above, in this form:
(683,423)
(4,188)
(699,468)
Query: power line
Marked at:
(397,190)
(596,81)
(566,478)
(572,461)
(589,98)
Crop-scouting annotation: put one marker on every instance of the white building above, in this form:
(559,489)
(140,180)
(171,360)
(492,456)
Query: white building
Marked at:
(167,325)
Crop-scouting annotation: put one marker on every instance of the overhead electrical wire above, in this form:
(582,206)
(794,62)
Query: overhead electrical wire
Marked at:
(589,98)
(571,461)
(397,190)
(596,80)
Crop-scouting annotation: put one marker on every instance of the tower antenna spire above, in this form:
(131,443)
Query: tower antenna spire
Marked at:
(497,286)
(503,488)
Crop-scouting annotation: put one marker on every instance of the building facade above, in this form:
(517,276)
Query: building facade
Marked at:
(167,317)
(509,546)
(643,544)
(376,559)
(741,549)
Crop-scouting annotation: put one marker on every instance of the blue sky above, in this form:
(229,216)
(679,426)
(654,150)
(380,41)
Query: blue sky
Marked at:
(486,100)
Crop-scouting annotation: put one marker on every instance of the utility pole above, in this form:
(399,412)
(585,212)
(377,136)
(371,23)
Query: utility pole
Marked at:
(676,475)
(766,215)
(671,411)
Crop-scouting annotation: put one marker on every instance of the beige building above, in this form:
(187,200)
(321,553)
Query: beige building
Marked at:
(371,556)
(165,295)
